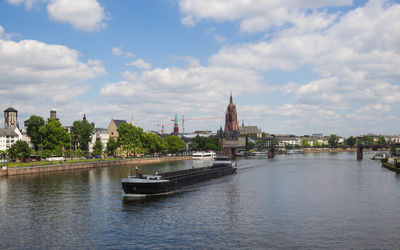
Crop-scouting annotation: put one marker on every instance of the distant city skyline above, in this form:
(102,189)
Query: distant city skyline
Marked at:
(293,68)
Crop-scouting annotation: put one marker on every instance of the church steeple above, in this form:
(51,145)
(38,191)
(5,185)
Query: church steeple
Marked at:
(176,127)
(231,123)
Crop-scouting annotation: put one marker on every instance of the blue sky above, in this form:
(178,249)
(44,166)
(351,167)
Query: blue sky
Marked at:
(301,68)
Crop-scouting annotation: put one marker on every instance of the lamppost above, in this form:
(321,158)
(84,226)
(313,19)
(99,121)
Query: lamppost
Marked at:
(4,162)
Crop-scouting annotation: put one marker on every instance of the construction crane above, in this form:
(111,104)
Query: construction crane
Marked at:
(163,125)
(196,118)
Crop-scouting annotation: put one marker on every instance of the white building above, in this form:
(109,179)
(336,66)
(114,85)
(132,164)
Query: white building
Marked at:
(392,138)
(100,134)
(284,140)
(8,136)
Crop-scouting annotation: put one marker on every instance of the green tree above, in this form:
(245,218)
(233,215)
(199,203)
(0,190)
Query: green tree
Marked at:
(249,144)
(261,145)
(304,143)
(3,153)
(153,143)
(34,124)
(54,138)
(81,134)
(20,149)
(393,149)
(333,140)
(368,140)
(111,147)
(316,143)
(207,143)
(351,141)
(289,146)
(175,144)
(98,148)
(382,140)
(130,138)
(193,146)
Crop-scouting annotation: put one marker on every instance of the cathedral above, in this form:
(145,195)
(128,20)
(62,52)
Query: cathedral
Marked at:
(231,124)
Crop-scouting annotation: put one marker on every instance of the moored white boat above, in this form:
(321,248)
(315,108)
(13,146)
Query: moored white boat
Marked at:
(293,151)
(203,155)
(379,156)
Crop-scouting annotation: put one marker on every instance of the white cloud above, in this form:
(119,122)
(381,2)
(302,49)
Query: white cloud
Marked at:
(117,51)
(352,72)
(220,39)
(193,91)
(139,63)
(31,69)
(129,54)
(29,4)
(375,108)
(190,61)
(356,57)
(87,15)
(256,15)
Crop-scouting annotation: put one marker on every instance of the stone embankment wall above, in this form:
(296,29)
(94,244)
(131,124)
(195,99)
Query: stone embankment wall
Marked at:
(84,165)
(3,172)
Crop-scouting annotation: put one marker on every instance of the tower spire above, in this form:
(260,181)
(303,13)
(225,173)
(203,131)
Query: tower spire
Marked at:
(176,128)
(231,99)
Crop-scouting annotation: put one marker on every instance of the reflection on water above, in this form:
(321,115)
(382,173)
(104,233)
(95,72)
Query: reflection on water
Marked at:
(292,201)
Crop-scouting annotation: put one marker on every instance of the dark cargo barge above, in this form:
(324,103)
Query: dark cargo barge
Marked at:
(167,182)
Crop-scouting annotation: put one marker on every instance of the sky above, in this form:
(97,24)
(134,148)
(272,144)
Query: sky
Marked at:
(293,67)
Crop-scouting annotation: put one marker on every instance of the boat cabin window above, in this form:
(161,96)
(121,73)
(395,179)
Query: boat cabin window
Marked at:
(154,177)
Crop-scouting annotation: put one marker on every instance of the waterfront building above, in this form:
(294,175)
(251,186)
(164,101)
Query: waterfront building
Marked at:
(231,124)
(11,118)
(8,136)
(100,134)
(230,141)
(251,131)
(317,135)
(393,138)
(284,140)
(113,126)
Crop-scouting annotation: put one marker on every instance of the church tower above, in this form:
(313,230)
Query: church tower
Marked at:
(53,114)
(10,118)
(231,123)
(176,127)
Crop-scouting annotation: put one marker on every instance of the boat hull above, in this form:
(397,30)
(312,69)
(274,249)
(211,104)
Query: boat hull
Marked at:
(176,180)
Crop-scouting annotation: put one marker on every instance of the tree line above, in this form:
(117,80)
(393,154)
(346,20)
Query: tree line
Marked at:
(205,143)
(50,139)
(133,141)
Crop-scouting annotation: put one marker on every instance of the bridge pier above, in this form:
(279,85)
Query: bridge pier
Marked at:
(359,153)
(271,153)
(231,146)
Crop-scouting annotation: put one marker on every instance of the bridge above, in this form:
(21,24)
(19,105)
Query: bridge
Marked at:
(231,146)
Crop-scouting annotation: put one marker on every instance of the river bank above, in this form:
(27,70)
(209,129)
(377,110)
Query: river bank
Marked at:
(336,150)
(84,165)
(391,167)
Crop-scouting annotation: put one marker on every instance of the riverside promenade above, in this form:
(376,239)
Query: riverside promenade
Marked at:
(85,165)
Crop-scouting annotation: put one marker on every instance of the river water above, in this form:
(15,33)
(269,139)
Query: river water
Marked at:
(307,201)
